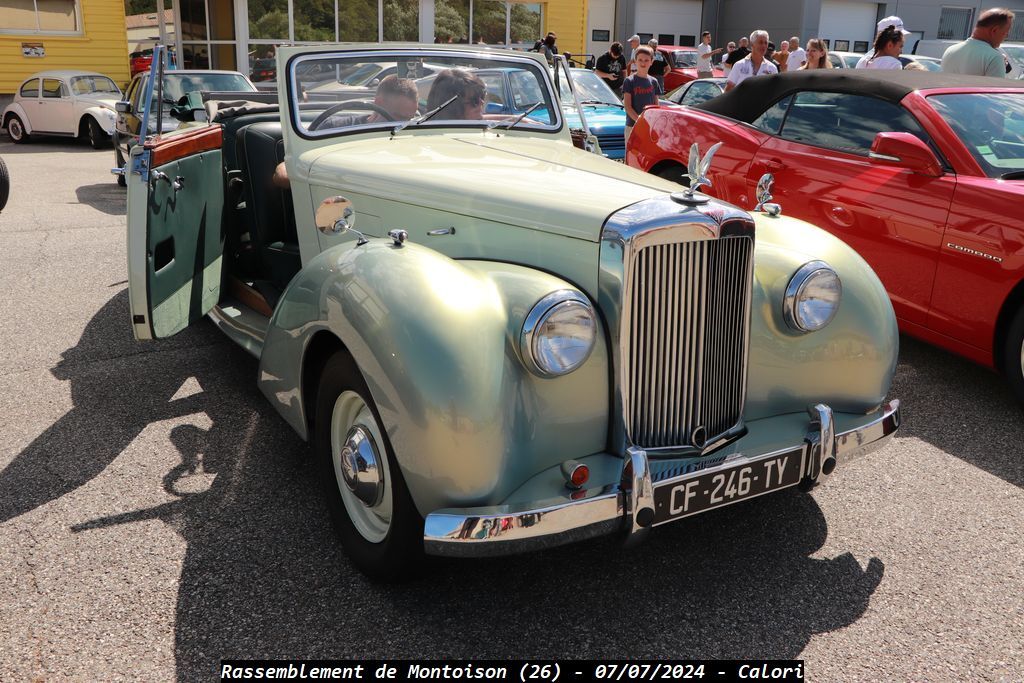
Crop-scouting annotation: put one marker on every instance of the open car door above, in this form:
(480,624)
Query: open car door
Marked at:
(175,236)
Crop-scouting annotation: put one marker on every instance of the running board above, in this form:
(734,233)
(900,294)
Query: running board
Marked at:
(241,324)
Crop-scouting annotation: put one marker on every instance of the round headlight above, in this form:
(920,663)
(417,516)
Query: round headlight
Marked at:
(559,334)
(812,297)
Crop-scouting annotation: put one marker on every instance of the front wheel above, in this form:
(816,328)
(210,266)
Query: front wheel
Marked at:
(372,510)
(5,184)
(97,138)
(16,129)
(122,179)
(1013,355)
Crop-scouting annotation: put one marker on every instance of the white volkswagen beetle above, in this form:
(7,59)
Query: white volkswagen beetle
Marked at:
(68,103)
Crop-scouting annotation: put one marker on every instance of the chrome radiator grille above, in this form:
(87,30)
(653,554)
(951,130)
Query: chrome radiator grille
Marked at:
(688,313)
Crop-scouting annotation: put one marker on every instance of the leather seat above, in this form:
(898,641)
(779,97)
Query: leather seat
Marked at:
(269,211)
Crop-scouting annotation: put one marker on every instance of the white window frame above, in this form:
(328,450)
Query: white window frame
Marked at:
(40,32)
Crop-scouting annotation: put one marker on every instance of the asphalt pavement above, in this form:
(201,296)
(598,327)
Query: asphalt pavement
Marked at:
(156,515)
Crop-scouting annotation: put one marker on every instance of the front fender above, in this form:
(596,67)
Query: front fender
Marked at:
(15,108)
(103,116)
(436,341)
(850,362)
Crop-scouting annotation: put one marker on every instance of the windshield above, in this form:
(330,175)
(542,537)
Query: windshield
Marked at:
(383,89)
(590,87)
(991,126)
(851,61)
(177,84)
(87,85)
(684,59)
(1014,52)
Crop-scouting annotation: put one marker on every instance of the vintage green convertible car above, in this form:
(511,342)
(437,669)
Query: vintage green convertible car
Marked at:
(495,340)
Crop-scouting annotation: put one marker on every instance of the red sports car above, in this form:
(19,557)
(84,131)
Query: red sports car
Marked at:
(921,173)
(682,63)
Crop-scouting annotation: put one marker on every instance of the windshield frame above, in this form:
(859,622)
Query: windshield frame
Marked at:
(388,53)
(576,73)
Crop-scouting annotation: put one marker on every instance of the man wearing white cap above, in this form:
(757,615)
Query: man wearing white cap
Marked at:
(978,55)
(887,47)
(634,43)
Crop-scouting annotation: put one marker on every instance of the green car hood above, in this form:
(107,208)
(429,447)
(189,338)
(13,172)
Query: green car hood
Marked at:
(533,183)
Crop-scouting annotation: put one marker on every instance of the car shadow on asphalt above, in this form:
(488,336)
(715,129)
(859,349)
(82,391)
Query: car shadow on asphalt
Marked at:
(962,408)
(107,197)
(46,144)
(263,575)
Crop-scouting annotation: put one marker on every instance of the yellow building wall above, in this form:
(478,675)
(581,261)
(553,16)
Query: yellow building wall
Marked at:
(568,20)
(102,47)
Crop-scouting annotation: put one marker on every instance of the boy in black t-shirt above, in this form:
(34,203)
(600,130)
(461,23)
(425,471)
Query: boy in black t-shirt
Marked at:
(610,66)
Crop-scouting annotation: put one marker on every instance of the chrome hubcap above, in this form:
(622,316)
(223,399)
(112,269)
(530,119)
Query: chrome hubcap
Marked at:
(360,466)
(14,128)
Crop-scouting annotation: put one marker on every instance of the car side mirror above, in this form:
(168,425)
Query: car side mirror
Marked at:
(123,107)
(906,151)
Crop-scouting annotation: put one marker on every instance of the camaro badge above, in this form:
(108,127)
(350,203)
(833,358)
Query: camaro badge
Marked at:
(974,252)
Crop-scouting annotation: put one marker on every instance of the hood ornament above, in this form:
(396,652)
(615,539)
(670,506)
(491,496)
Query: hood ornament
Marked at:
(696,174)
(764,196)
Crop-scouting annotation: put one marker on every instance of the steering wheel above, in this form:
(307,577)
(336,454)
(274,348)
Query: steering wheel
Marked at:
(354,104)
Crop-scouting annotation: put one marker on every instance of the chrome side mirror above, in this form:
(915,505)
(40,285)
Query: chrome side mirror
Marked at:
(335,216)
(123,107)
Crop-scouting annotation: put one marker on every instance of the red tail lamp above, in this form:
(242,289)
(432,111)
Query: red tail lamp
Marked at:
(576,474)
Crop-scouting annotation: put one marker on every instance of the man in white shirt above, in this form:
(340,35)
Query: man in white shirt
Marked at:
(753,64)
(634,43)
(797,55)
(979,55)
(704,55)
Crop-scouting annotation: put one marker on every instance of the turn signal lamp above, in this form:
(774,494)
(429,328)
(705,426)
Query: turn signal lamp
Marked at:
(576,474)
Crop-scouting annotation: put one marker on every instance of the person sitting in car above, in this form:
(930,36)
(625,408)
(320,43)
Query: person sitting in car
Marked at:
(468,90)
(398,97)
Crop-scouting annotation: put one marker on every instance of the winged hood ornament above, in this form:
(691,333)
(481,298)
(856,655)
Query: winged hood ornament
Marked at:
(696,175)
(764,196)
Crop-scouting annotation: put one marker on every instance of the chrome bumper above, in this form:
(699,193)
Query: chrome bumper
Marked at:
(628,506)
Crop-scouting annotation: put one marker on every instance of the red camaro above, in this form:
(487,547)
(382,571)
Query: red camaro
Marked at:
(682,62)
(921,173)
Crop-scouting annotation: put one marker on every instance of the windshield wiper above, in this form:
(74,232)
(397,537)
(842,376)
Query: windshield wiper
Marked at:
(423,117)
(513,122)
(1012,175)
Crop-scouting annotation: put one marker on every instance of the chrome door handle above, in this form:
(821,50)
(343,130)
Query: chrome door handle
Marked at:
(176,184)
(442,231)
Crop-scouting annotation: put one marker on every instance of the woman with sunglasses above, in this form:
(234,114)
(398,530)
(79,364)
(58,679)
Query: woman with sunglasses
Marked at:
(469,104)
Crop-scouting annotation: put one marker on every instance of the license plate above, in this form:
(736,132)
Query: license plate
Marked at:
(723,487)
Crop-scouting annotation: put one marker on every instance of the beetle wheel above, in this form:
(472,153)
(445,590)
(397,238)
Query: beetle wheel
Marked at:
(97,138)
(373,513)
(5,184)
(16,129)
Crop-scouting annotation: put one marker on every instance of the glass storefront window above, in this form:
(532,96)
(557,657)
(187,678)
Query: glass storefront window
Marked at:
(451,21)
(357,21)
(402,20)
(268,19)
(314,22)
(193,19)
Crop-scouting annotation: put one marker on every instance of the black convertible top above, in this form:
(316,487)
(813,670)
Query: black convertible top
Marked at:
(753,96)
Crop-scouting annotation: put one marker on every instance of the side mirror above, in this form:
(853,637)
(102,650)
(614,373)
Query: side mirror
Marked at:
(906,151)
(123,107)
(493,108)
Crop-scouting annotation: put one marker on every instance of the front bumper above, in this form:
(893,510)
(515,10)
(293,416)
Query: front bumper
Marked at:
(628,506)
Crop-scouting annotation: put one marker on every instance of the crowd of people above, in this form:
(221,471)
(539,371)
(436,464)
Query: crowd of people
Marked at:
(757,54)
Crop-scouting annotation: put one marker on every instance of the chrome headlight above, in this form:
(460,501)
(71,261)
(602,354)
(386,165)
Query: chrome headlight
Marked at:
(812,297)
(559,334)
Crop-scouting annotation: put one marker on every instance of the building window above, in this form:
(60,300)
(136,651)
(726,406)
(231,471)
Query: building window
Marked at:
(687,41)
(843,46)
(40,16)
(665,38)
(860,46)
(955,23)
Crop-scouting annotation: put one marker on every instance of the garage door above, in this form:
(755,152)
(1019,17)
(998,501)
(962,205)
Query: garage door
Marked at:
(848,23)
(660,19)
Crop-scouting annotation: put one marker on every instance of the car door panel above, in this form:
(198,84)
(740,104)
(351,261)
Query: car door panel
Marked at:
(892,217)
(175,240)
(55,108)
(980,260)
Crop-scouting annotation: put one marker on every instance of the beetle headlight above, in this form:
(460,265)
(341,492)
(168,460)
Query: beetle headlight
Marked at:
(559,334)
(812,297)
